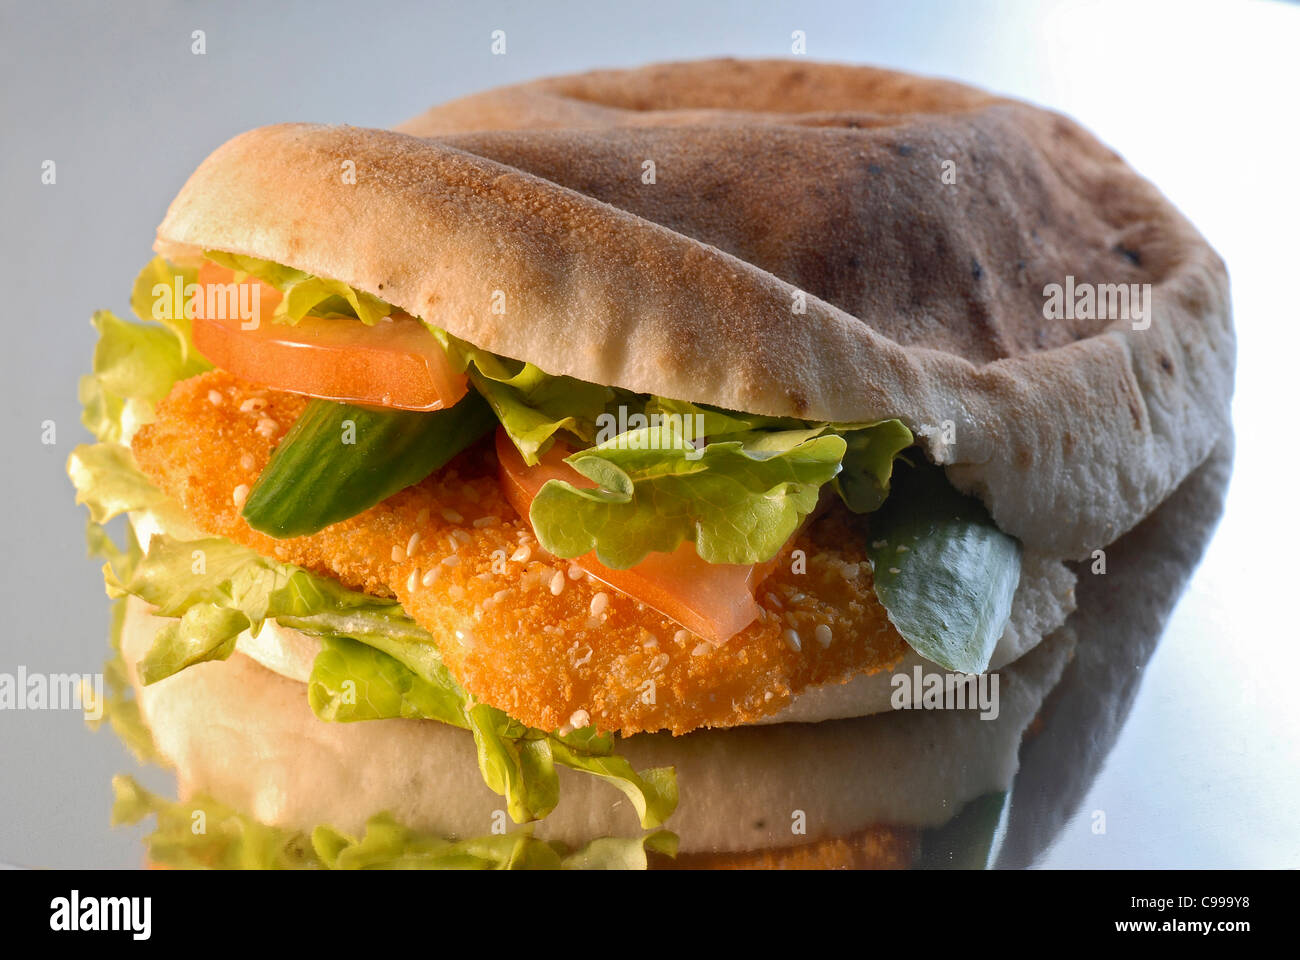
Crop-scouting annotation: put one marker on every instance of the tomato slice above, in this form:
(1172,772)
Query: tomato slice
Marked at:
(394,363)
(714,600)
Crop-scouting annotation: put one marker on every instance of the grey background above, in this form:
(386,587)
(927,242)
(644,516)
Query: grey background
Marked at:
(1200,97)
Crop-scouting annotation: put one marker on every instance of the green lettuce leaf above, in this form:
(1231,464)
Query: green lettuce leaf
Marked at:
(352,681)
(305,293)
(134,367)
(944,572)
(871,447)
(232,840)
(738,502)
(219,589)
(109,482)
(160,294)
(532,406)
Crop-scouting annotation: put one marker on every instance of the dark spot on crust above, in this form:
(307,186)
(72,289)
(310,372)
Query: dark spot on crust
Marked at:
(760,824)
(976,270)
(800,401)
(1132,256)
(1068,443)
(1137,415)
(1024,458)
(875,168)
(903,150)
(1166,364)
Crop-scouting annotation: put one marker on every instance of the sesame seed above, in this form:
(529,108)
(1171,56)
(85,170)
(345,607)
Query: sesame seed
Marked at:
(461,536)
(792,640)
(240,495)
(564,731)
(397,553)
(266,426)
(252,405)
(214,398)
(700,650)
(767,696)
(451,516)
(658,663)
(575,572)
(850,571)
(469,493)
(456,592)
(412,580)
(522,554)
(482,522)
(894,570)
(580,719)
(430,576)
(823,634)
(500,595)
(651,642)
(247,462)
(422,517)
(681,636)
(453,544)
(450,561)
(412,544)
(557,583)
(598,603)
(902,548)
(774,600)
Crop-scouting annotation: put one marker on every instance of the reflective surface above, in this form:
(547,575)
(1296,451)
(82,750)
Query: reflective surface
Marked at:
(1186,752)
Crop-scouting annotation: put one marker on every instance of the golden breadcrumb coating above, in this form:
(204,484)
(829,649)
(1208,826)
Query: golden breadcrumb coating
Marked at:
(517,627)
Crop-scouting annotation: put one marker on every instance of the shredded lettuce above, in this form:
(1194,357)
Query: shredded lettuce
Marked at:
(232,840)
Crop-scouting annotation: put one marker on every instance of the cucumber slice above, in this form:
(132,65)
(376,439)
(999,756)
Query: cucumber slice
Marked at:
(339,459)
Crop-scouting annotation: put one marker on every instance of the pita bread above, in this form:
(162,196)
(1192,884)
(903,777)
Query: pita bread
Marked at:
(778,187)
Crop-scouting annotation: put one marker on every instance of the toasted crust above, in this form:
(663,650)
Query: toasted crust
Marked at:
(924,300)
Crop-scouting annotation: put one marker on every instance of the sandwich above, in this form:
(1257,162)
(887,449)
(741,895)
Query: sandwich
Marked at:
(600,435)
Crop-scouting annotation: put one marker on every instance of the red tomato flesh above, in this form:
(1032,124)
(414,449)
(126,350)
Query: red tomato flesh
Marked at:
(714,600)
(395,363)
